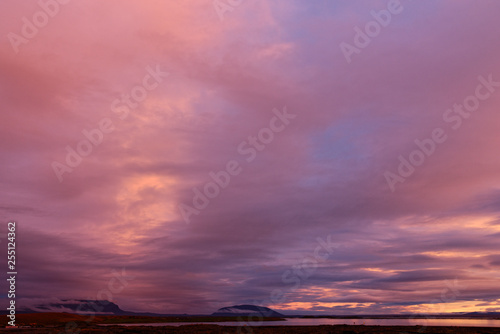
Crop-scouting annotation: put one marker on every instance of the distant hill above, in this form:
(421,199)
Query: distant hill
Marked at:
(247,310)
(77,306)
(483,314)
(84,307)
(80,306)
(104,307)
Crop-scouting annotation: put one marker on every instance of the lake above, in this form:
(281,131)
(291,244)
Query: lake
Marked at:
(369,322)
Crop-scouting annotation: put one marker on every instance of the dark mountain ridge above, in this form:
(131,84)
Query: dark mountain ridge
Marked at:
(247,310)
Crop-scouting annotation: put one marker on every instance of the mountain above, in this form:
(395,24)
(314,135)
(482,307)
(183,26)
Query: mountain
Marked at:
(482,314)
(80,306)
(85,307)
(104,307)
(246,310)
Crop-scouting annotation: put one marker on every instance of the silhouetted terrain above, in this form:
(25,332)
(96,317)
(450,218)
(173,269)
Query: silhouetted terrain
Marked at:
(56,323)
(247,311)
(214,329)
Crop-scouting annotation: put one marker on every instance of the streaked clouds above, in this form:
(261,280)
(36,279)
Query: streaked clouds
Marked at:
(323,176)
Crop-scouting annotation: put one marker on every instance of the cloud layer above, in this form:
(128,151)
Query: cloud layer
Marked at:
(428,242)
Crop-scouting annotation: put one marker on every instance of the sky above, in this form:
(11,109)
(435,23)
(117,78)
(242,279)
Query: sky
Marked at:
(315,157)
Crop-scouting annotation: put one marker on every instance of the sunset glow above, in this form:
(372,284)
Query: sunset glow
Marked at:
(276,154)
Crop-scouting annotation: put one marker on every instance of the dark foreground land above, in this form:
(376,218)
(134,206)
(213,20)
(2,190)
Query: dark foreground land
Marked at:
(214,329)
(65,323)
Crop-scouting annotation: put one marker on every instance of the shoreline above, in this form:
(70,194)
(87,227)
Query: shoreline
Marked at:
(216,329)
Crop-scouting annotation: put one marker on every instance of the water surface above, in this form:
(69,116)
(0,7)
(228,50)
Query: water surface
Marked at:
(368,322)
